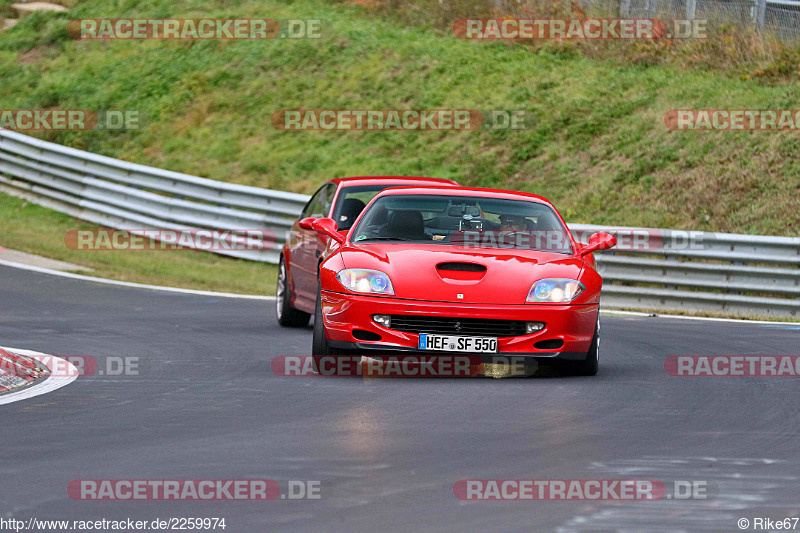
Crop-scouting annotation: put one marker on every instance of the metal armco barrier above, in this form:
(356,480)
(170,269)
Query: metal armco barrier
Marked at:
(123,195)
(651,268)
(698,271)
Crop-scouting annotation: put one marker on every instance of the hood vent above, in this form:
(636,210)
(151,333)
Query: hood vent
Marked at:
(461,267)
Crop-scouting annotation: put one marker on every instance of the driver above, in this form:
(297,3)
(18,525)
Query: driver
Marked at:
(512,223)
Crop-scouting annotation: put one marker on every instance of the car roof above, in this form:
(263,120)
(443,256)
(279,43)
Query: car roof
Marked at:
(383,180)
(466,191)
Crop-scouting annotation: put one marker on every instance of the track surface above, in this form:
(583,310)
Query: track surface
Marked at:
(386,451)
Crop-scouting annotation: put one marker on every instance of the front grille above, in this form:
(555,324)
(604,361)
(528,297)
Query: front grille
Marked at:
(450,326)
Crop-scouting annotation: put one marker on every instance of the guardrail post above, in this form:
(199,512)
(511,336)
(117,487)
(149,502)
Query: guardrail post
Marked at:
(761,13)
(691,8)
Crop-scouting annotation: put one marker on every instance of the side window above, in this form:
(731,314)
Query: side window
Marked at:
(351,202)
(320,203)
(327,198)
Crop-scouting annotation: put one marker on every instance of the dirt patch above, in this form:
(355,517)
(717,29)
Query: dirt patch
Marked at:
(33,55)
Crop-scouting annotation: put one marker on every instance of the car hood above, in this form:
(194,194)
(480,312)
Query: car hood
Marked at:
(448,274)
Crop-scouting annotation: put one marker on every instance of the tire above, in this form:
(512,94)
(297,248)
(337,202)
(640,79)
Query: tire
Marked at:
(287,315)
(319,344)
(590,365)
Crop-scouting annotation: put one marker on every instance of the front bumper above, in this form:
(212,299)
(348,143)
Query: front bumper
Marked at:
(344,313)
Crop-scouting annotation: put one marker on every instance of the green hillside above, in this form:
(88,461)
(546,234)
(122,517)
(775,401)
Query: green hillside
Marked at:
(598,146)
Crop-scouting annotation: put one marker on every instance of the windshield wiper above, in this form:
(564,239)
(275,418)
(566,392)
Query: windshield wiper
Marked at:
(382,239)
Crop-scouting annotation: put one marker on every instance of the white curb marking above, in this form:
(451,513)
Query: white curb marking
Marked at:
(48,385)
(686,317)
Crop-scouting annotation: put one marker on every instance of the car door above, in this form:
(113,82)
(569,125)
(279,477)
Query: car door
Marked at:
(307,248)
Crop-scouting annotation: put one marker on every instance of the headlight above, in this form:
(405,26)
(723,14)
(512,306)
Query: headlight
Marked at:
(555,290)
(366,281)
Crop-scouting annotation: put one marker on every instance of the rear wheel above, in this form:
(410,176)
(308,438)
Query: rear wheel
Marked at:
(288,315)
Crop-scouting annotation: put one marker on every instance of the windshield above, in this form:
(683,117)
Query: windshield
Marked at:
(471,221)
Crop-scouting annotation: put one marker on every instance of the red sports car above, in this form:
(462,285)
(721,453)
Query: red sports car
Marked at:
(341,199)
(478,271)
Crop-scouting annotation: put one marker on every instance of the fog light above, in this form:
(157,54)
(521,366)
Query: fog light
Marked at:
(532,327)
(383,320)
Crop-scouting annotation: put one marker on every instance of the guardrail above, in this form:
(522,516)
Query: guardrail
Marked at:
(658,269)
(697,271)
(124,195)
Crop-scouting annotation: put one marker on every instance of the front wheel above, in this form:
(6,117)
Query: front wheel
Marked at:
(319,344)
(288,315)
(590,365)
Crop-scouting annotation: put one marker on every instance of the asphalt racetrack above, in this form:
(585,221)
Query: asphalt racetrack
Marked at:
(386,452)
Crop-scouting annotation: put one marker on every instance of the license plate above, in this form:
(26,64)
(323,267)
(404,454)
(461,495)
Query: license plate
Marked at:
(457,343)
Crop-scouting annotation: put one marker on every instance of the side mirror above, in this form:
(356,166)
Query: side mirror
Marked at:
(327,226)
(307,222)
(599,241)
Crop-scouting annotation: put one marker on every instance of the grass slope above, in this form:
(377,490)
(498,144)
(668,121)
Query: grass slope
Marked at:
(33,229)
